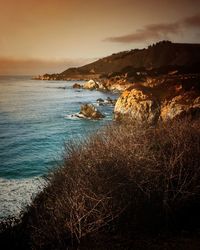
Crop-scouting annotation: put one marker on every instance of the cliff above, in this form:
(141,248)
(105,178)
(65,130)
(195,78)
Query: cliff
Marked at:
(161,99)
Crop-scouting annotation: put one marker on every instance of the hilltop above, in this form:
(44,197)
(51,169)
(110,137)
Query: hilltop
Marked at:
(158,58)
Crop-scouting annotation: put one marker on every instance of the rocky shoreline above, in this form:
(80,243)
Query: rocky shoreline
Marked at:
(154,99)
(157,83)
(129,182)
(161,99)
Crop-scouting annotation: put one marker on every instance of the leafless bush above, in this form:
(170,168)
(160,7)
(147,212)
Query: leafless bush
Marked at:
(128,176)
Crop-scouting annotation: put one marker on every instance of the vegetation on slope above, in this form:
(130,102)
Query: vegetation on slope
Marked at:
(157,59)
(127,181)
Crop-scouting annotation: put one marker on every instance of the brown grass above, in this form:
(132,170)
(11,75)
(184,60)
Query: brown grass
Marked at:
(127,178)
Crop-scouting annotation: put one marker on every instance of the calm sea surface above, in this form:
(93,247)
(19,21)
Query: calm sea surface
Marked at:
(35,121)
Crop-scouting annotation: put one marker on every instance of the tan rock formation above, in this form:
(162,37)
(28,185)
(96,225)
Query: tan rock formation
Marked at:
(91,84)
(138,104)
(180,105)
(162,99)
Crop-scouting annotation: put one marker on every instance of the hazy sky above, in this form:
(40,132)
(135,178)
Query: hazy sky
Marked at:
(39,36)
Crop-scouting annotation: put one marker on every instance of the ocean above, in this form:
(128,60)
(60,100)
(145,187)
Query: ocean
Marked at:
(35,122)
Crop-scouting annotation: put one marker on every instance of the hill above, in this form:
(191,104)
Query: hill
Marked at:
(159,56)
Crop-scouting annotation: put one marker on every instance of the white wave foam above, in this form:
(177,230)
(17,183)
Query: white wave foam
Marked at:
(17,194)
(72,117)
(78,116)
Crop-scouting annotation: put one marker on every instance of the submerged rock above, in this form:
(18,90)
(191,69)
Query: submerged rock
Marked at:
(110,101)
(100,100)
(107,101)
(77,86)
(90,111)
(61,88)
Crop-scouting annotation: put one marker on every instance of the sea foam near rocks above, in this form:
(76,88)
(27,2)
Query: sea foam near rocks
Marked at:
(15,194)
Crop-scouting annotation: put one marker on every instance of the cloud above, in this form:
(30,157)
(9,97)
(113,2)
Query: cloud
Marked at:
(37,66)
(193,21)
(157,31)
(152,31)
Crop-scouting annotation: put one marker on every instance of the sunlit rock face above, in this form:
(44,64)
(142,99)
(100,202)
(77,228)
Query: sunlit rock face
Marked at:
(161,99)
(91,84)
(138,105)
(179,106)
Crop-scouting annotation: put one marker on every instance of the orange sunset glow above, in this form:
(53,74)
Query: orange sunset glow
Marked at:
(100,124)
(52,35)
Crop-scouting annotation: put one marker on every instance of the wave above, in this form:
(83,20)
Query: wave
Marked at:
(78,116)
(72,117)
(15,194)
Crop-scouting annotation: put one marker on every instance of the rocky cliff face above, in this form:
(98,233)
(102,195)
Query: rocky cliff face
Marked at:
(179,106)
(161,99)
(108,85)
(139,104)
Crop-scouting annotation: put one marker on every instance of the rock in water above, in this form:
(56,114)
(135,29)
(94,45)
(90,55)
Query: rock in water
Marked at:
(107,101)
(77,86)
(91,84)
(90,111)
(110,101)
(100,100)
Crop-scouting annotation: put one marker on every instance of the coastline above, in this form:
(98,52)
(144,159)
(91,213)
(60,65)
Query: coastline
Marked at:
(34,130)
(133,183)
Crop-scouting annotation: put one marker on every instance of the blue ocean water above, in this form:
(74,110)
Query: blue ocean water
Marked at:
(35,121)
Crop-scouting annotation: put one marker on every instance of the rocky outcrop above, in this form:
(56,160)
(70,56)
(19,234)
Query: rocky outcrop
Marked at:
(90,111)
(138,105)
(161,99)
(45,77)
(112,84)
(117,83)
(91,84)
(179,106)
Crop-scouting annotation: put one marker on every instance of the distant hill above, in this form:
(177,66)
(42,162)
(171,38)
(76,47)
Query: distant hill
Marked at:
(164,54)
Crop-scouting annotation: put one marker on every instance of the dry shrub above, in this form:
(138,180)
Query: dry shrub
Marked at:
(128,177)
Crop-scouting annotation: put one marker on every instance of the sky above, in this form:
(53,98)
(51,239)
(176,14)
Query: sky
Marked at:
(39,36)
